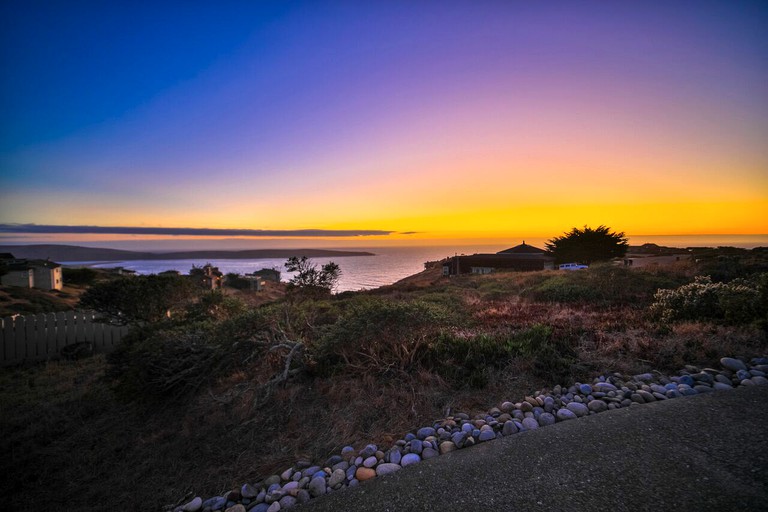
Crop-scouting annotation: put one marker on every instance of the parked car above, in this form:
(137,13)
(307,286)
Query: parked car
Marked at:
(572,266)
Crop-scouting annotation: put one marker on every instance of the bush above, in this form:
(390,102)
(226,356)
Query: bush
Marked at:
(81,276)
(737,302)
(378,335)
(471,361)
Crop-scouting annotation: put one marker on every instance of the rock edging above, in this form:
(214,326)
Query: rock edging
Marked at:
(305,481)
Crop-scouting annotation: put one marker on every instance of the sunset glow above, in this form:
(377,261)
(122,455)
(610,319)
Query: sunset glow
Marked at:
(445,121)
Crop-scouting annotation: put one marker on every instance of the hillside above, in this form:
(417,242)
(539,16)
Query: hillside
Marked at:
(200,403)
(65,253)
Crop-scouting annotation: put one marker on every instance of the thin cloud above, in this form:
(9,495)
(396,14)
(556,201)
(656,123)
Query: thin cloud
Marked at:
(125,230)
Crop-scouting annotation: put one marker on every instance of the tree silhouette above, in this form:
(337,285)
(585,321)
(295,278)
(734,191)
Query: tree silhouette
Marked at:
(588,245)
(308,277)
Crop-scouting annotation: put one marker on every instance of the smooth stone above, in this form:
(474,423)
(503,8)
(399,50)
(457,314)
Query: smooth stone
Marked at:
(646,396)
(585,389)
(659,396)
(722,386)
(215,503)
(248,491)
(303,496)
(644,377)
(370,462)
(388,468)
(428,453)
(347,451)
(509,428)
(758,380)
(703,389)
(310,471)
(287,502)
(565,414)
(416,446)
(487,435)
(343,465)
(687,380)
(743,374)
(364,474)
(259,507)
(368,451)
(409,458)
(467,427)
(316,487)
(458,439)
(274,479)
(605,387)
(395,456)
(597,406)
(337,477)
(730,363)
(507,406)
(689,391)
(236,508)
(546,419)
(530,423)
(350,472)
(290,486)
(747,382)
(447,446)
(425,432)
(274,507)
(578,409)
(526,407)
(704,378)
(194,505)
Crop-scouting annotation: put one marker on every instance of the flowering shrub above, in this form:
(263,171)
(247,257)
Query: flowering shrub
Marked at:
(739,301)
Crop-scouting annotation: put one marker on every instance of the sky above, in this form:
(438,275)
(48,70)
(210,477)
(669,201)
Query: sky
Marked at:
(382,121)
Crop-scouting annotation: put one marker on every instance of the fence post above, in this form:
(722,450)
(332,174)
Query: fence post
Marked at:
(20,338)
(9,347)
(61,330)
(50,334)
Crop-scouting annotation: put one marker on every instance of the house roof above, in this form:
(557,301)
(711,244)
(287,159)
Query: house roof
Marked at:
(31,264)
(523,248)
(6,256)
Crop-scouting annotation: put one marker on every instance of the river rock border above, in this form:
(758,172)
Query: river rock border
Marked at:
(305,481)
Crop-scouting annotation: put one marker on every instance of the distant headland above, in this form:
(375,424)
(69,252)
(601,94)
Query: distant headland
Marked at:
(65,253)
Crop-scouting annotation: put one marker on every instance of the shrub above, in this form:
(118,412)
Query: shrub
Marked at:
(378,335)
(737,302)
(471,361)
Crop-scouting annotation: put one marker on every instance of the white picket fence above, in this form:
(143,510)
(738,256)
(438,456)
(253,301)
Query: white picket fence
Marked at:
(43,336)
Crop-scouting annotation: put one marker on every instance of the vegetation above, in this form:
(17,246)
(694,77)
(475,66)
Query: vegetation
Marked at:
(309,278)
(588,245)
(138,299)
(173,409)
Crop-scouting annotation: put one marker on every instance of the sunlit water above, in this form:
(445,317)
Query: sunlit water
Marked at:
(391,264)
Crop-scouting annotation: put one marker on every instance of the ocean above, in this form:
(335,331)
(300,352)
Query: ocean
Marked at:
(390,264)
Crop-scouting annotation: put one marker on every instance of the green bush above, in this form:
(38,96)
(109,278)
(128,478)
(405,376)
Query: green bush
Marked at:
(471,361)
(378,335)
(736,302)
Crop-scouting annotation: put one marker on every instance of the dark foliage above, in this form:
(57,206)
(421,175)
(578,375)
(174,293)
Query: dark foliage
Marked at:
(138,299)
(588,245)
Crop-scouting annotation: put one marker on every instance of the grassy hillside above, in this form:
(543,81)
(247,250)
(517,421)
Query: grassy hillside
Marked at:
(210,400)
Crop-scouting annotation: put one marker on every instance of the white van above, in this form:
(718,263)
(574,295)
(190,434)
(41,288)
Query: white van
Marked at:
(572,266)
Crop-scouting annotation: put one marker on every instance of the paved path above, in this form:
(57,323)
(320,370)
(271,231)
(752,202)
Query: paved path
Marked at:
(706,452)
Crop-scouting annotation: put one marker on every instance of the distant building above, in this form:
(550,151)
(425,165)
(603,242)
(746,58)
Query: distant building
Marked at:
(207,276)
(268,274)
(42,274)
(522,258)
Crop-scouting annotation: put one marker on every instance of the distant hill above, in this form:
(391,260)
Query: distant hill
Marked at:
(65,253)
